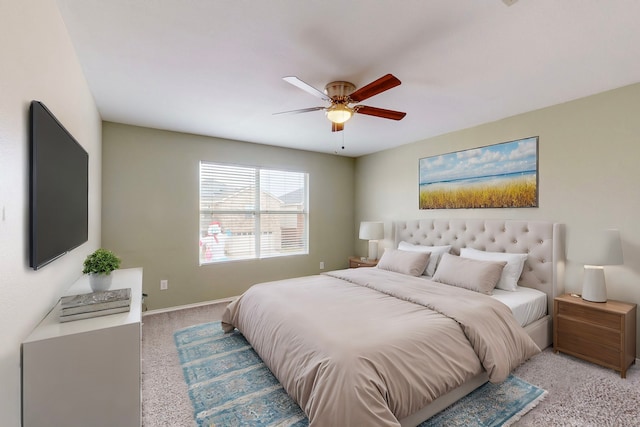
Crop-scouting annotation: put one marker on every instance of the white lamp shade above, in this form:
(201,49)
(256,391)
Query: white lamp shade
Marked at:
(371,230)
(606,249)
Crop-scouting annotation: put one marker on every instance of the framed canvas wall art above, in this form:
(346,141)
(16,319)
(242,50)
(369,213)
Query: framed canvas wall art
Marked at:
(502,175)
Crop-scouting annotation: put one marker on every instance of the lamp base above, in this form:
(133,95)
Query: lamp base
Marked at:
(594,288)
(373,250)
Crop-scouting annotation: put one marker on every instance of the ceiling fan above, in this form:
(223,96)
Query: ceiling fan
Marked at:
(340,94)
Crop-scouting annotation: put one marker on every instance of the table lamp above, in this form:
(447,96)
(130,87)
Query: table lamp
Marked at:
(606,250)
(372,231)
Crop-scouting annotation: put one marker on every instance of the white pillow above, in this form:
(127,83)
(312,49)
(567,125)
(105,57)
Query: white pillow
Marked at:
(435,251)
(511,272)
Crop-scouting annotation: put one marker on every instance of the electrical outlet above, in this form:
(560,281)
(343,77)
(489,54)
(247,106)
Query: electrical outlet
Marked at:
(321,265)
(164,285)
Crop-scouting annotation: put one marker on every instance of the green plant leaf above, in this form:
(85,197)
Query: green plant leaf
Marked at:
(102,261)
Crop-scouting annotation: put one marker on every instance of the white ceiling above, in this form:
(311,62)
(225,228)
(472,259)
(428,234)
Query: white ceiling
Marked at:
(215,67)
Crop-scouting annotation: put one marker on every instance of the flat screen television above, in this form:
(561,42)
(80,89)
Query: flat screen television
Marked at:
(59,189)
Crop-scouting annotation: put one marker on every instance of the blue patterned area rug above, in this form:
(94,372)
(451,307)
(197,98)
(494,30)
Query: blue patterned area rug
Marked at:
(229,385)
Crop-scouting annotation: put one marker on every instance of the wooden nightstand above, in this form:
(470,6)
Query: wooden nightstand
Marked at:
(356,261)
(599,332)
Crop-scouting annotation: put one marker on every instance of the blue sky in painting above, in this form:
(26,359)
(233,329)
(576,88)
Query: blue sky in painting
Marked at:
(494,160)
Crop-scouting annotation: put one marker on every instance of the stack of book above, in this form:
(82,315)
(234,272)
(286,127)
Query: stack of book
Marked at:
(102,303)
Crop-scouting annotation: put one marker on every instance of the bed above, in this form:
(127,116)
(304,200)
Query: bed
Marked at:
(377,346)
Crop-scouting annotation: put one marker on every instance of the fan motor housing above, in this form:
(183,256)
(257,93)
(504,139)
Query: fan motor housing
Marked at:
(339,90)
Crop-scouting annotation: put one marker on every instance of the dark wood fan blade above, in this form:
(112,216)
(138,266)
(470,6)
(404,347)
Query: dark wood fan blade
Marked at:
(303,110)
(380,112)
(375,87)
(337,127)
(306,87)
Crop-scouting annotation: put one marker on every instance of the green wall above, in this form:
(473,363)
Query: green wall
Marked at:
(150,211)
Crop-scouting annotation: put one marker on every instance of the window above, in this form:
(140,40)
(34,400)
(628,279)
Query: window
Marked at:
(248,213)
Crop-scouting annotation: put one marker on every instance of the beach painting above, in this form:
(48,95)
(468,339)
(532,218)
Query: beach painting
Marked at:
(496,176)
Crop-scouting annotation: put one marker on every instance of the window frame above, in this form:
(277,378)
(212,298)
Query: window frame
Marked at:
(257,211)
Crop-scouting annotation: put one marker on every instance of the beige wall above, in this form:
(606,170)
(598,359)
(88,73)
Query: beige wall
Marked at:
(38,62)
(150,211)
(589,176)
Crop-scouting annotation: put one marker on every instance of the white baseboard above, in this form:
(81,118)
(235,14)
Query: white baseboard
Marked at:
(182,307)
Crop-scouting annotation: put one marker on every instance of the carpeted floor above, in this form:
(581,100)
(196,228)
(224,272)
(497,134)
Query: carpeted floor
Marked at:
(579,393)
(165,400)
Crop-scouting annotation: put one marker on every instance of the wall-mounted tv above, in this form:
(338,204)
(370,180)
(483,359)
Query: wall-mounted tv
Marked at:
(59,189)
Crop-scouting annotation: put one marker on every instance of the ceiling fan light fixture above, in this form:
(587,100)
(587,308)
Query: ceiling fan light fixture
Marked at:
(339,113)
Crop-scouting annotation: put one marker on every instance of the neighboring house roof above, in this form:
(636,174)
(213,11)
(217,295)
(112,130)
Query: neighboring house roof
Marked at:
(216,192)
(295,197)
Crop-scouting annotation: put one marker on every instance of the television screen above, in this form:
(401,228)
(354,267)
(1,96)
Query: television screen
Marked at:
(59,189)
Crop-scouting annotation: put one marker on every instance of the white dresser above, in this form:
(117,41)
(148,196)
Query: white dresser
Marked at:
(85,372)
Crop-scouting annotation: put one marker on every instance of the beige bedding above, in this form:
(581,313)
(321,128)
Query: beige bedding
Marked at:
(369,347)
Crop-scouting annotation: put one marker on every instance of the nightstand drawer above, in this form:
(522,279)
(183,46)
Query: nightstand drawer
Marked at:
(610,320)
(357,262)
(589,332)
(589,350)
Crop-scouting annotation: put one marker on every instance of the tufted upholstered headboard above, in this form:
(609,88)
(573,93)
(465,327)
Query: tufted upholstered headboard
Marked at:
(543,241)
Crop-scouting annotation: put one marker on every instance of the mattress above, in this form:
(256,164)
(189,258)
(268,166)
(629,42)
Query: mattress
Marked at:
(527,304)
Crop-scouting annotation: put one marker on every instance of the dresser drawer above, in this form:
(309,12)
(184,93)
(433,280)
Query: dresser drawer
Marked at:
(589,350)
(590,333)
(609,320)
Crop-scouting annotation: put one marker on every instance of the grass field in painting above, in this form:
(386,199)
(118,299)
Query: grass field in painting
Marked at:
(513,194)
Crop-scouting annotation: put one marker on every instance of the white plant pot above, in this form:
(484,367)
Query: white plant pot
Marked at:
(99,282)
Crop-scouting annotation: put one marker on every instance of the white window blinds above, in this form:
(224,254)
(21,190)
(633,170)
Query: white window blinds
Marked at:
(248,212)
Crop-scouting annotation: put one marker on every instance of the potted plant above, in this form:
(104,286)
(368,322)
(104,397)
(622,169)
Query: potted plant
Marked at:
(99,266)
